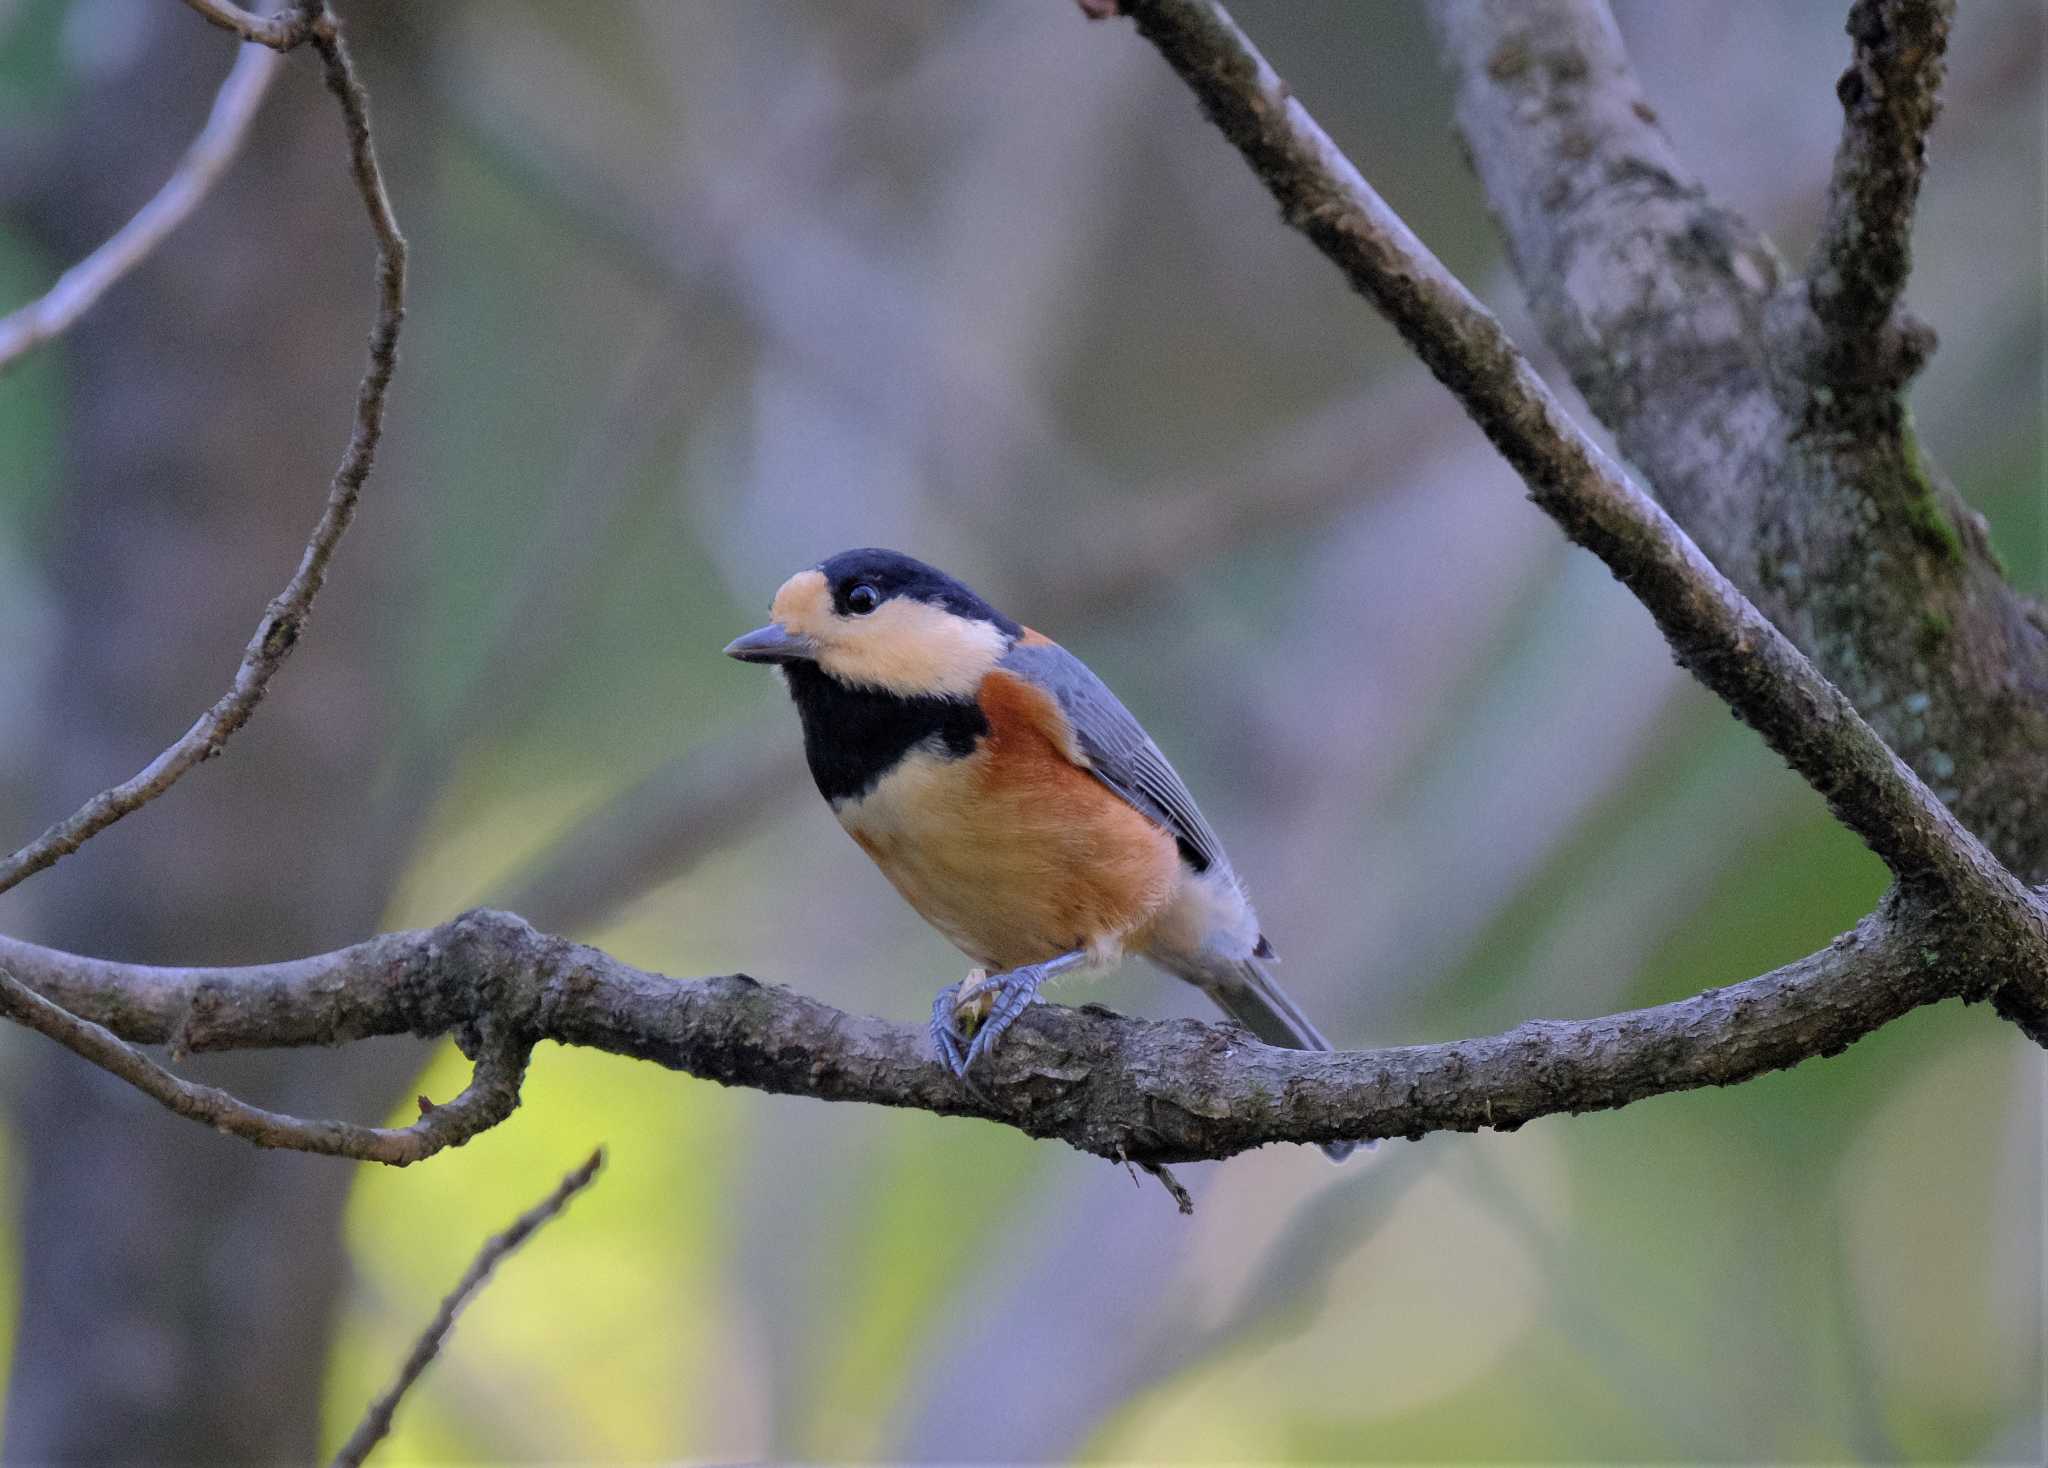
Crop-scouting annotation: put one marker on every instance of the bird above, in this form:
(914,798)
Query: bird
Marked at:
(1010,798)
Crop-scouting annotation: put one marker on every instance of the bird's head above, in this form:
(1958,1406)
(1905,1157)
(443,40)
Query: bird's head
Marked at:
(879,619)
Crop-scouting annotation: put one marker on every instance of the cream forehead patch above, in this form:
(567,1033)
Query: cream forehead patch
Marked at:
(804,603)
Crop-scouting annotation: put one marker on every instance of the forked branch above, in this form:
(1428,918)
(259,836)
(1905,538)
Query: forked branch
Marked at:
(1712,628)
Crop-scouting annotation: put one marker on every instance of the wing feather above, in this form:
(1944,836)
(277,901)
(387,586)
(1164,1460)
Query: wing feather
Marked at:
(1117,750)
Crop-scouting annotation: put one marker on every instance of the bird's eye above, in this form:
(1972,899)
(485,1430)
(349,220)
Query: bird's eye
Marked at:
(863,599)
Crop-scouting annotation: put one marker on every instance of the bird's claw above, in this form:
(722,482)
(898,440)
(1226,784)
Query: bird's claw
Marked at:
(945,1039)
(989,1005)
(1013,993)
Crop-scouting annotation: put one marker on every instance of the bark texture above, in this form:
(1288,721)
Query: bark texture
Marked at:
(1115,1087)
(1714,631)
(1765,406)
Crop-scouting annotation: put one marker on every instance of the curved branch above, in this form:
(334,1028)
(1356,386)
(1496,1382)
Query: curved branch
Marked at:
(286,615)
(1118,1088)
(1693,343)
(491,1096)
(1714,631)
(77,289)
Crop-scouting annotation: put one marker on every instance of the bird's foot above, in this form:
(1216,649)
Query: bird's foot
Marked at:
(987,1004)
(947,1007)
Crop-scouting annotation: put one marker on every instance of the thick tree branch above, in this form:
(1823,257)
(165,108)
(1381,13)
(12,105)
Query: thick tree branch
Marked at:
(376,1423)
(1690,340)
(1713,630)
(1115,1087)
(52,313)
(285,617)
(1865,250)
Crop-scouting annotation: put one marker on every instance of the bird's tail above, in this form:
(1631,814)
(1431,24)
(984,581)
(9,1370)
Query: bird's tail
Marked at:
(1248,993)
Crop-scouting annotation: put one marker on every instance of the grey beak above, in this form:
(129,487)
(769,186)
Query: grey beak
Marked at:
(774,643)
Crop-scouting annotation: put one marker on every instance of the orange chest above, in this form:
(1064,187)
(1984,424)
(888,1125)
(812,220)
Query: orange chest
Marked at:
(1014,852)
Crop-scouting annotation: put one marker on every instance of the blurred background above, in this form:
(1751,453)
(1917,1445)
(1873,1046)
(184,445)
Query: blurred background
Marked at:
(704,292)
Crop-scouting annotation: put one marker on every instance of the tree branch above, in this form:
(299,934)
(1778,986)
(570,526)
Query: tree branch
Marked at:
(492,1094)
(285,617)
(1679,324)
(1713,630)
(376,1423)
(281,32)
(1865,250)
(1114,1087)
(78,288)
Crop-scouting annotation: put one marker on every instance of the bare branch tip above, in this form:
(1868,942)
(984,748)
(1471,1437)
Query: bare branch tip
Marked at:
(377,1419)
(204,162)
(1182,1198)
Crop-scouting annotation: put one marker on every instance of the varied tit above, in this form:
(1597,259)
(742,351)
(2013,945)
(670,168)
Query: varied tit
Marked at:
(1010,798)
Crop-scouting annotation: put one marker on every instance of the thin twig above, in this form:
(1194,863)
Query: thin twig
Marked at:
(1889,99)
(491,1096)
(376,1423)
(1714,631)
(208,157)
(280,32)
(285,617)
(1175,1189)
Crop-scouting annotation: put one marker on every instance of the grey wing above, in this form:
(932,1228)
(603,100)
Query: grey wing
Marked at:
(1120,753)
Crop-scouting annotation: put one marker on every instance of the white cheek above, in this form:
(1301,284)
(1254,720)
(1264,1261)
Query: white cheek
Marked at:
(912,649)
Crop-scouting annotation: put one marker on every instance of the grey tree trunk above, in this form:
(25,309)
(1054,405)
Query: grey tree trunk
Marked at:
(178,1289)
